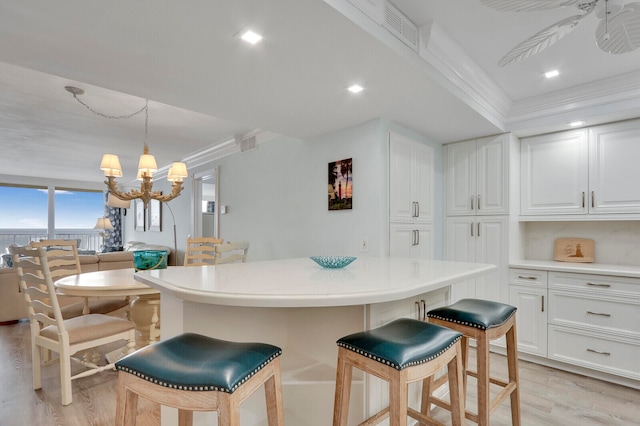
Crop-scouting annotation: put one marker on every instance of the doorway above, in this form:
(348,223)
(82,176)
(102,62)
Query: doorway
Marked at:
(205,206)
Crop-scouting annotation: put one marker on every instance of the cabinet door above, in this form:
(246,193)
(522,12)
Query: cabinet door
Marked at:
(492,179)
(460,183)
(411,240)
(411,176)
(554,174)
(460,245)
(422,179)
(492,246)
(613,168)
(531,318)
(401,204)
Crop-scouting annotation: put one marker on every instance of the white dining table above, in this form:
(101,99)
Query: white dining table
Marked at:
(144,305)
(304,309)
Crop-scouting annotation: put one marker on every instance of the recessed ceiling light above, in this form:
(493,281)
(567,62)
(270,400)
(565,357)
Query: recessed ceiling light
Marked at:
(355,88)
(552,73)
(577,123)
(251,37)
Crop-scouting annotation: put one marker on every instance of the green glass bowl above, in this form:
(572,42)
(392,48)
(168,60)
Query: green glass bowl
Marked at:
(150,259)
(333,262)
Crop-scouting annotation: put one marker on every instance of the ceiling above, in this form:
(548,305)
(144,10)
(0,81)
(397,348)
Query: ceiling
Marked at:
(205,85)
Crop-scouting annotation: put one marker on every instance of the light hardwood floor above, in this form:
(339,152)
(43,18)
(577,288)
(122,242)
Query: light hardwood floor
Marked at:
(549,397)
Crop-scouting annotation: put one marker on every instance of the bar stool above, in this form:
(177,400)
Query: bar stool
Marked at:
(400,352)
(191,372)
(482,320)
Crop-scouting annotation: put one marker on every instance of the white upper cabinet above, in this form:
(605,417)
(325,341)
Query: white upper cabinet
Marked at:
(614,174)
(410,180)
(555,174)
(582,172)
(477,176)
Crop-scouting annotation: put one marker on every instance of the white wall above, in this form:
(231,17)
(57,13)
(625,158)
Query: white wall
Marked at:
(276,195)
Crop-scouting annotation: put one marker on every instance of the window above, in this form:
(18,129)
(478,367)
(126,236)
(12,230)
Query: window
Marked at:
(31,213)
(77,209)
(23,207)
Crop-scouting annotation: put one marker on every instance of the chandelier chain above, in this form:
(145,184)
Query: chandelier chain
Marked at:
(116,117)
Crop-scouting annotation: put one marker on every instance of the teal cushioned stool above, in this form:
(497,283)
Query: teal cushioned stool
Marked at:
(400,352)
(192,372)
(484,321)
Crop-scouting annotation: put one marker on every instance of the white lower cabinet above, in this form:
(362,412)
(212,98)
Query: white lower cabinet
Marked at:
(588,320)
(528,293)
(411,240)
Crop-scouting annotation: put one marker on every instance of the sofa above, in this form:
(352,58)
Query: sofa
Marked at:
(12,304)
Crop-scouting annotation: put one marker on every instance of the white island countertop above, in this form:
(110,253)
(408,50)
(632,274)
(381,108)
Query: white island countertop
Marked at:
(302,283)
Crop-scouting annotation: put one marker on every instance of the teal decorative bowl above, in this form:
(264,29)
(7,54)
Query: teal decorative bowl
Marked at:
(333,262)
(150,259)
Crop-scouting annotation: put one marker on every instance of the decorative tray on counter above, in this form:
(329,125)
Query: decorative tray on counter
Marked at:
(580,250)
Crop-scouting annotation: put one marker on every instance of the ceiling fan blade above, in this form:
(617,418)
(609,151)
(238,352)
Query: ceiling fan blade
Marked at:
(541,40)
(526,5)
(621,34)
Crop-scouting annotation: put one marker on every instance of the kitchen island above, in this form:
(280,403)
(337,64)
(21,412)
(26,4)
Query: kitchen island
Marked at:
(304,309)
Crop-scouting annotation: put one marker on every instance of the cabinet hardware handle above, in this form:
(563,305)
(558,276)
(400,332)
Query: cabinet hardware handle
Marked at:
(593,199)
(598,352)
(472,201)
(417,208)
(472,229)
(522,277)
(599,285)
(413,209)
(413,237)
(478,202)
(542,304)
(424,309)
(583,199)
(602,314)
(418,308)
(417,237)
(478,229)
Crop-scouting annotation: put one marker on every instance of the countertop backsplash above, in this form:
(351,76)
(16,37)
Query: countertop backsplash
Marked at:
(616,242)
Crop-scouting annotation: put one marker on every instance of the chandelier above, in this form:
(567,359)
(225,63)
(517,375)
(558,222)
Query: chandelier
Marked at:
(147,166)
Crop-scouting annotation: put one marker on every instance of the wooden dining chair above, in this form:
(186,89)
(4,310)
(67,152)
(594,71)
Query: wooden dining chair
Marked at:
(63,259)
(201,251)
(231,252)
(51,332)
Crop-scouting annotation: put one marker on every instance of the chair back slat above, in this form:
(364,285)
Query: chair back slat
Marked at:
(232,252)
(201,251)
(37,286)
(62,257)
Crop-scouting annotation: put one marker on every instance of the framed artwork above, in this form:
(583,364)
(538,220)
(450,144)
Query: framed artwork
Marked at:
(140,217)
(340,185)
(155,216)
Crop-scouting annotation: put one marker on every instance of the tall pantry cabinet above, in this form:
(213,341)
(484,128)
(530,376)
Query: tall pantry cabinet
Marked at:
(411,188)
(477,209)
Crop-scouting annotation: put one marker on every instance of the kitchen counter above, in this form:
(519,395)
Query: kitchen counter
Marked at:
(583,268)
(302,308)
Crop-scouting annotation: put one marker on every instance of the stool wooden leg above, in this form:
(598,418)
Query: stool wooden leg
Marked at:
(465,362)
(343,390)
(126,403)
(398,399)
(512,360)
(483,380)
(427,389)
(185,418)
(456,395)
(228,411)
(273,395)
